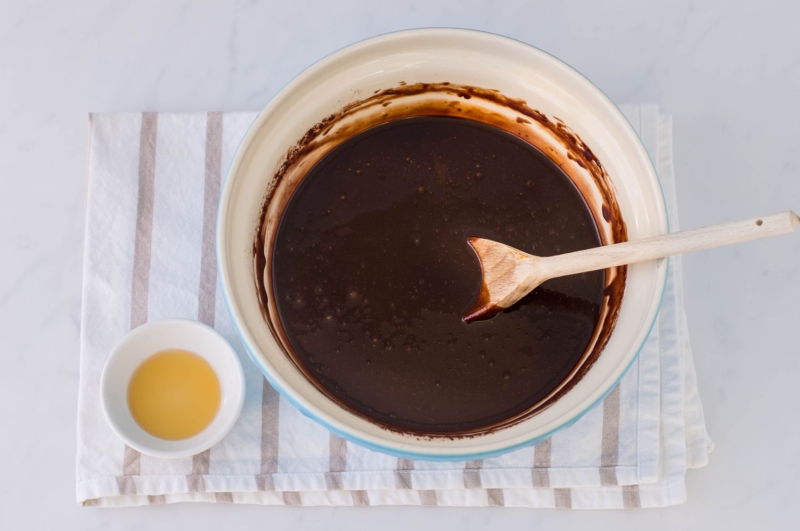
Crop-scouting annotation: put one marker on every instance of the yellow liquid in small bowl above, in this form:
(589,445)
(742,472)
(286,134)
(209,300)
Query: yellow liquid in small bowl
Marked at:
(174,394)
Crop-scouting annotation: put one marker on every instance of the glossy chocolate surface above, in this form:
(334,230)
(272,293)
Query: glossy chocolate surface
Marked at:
(371,272)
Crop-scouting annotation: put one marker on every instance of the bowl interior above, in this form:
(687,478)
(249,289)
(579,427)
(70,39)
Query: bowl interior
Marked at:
(146,341)
(468,58)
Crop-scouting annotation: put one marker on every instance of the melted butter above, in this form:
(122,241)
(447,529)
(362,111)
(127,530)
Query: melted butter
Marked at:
(174,394)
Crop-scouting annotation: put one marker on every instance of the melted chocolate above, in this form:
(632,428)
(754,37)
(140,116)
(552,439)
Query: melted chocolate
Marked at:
(371,272)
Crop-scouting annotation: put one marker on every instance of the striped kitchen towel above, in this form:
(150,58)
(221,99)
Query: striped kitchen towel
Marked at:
(153,187)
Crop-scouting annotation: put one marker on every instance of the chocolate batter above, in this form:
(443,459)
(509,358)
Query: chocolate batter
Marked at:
(372,272)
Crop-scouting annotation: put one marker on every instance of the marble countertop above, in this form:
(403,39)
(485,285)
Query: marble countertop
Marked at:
(730,77)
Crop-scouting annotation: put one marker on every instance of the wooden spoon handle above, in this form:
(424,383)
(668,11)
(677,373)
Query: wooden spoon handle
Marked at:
(668,245)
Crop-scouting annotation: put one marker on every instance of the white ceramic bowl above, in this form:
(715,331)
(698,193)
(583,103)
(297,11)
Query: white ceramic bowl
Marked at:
(469,58)
(142,343)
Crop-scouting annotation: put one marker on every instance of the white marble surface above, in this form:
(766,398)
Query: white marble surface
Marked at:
(730,77)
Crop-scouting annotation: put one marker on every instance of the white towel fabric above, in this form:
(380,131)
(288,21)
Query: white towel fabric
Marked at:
(153,188)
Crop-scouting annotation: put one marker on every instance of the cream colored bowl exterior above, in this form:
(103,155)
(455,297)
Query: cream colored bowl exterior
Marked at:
(463,57)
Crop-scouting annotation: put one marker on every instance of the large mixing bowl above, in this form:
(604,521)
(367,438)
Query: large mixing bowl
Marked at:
(437,56)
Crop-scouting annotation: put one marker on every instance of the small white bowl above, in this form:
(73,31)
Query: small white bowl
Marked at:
(142,343)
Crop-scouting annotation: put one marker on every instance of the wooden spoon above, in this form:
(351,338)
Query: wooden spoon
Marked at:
(509,274)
